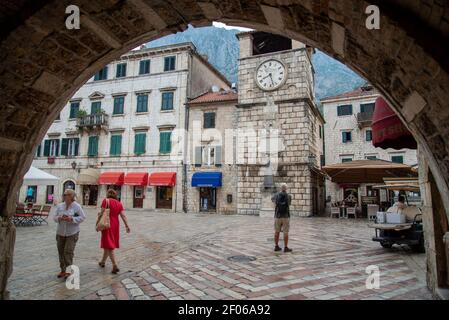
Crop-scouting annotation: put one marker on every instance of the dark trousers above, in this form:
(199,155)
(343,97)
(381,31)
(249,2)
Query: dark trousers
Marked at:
(66,250)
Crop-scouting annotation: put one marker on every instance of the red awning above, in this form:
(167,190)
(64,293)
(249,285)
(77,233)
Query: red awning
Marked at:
(388,129)
(162,179)
(116,178)
(136,179)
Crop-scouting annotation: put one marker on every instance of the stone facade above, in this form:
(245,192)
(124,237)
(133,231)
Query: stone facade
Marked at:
(292,121)
(191,76)
(360,147)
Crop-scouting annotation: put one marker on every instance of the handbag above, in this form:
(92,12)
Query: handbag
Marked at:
(103,221)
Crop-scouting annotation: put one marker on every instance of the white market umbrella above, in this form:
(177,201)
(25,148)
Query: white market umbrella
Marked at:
(37,177)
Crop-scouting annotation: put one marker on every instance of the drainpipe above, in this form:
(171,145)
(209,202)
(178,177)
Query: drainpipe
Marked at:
(446,247)
(186,138)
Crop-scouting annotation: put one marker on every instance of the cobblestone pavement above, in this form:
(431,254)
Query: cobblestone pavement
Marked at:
(186,256)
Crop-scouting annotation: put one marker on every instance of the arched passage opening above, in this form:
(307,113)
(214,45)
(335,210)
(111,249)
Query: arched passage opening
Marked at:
(44,63)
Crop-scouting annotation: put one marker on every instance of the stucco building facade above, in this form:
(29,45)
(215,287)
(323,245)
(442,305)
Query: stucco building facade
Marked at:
(212,172)
(348,137)
(119,130)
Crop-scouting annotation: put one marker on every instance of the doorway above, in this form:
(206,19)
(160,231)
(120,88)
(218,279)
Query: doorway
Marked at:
(31,194)
(49,196)
(164,197)
(138,197)
(90,195)
(208,199)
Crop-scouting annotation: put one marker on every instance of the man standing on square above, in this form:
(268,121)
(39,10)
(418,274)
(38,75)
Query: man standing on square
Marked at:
(282,217)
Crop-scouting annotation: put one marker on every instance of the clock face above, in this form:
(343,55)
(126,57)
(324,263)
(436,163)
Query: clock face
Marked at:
(271,74)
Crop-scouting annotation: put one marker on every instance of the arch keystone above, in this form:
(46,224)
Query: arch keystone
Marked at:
(273,16)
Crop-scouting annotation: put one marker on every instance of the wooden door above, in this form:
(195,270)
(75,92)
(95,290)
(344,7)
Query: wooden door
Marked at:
(138,197)
(164,197)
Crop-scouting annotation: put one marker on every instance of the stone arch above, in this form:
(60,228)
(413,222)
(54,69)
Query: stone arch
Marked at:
(43,63)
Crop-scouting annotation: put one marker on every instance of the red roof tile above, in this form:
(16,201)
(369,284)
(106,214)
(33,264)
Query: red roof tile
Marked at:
(359,92)
(220,96)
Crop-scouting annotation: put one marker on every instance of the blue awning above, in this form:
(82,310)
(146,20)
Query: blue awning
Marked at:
(206,179)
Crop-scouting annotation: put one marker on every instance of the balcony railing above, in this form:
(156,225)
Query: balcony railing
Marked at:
(364,119)
(99,120)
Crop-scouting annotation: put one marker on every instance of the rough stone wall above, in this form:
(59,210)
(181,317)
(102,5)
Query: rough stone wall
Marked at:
(43,63)
(292,168)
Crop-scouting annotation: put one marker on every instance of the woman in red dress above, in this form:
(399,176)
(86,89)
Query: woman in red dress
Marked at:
(110,237)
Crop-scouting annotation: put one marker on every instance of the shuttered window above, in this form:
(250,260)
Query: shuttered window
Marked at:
(74,108)
(367,107)
(209,120)
(92,150)
(369,135)
(69,147)
(169,63)
(167,101)
(116,145)
(121,70)
(139,143)
(39,151)
(51,148)
(95,107)
(346,136)
(101,74)
(119,105)
(344,110)
(142,103)
(397,159)
(144,67)
(165,142)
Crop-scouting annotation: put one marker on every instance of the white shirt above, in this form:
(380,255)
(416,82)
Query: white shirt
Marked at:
(69,228)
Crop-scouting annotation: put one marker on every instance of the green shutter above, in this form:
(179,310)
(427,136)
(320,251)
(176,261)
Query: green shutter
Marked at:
(165,142)
(116,145)
(209,120)
(139,143)
(74,107)
(95,107)
(167,101)
(142,103)
(46,148)
(65,147)
(77,145)
(119,105)
(93,146)
(144,67)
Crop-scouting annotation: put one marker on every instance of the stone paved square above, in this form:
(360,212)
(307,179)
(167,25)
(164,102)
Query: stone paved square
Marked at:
(186,256)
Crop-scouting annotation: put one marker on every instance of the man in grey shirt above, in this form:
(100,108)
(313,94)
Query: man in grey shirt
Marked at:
(283,201)
(68,216)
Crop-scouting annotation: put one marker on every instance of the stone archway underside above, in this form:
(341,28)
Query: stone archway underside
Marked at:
(43,63)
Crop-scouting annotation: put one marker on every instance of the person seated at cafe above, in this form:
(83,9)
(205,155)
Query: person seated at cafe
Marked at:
(399,206)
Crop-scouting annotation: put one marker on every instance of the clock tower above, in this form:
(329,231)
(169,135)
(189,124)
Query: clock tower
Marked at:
(279,136)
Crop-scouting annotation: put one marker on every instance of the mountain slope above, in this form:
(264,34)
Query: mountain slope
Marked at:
(222,48)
